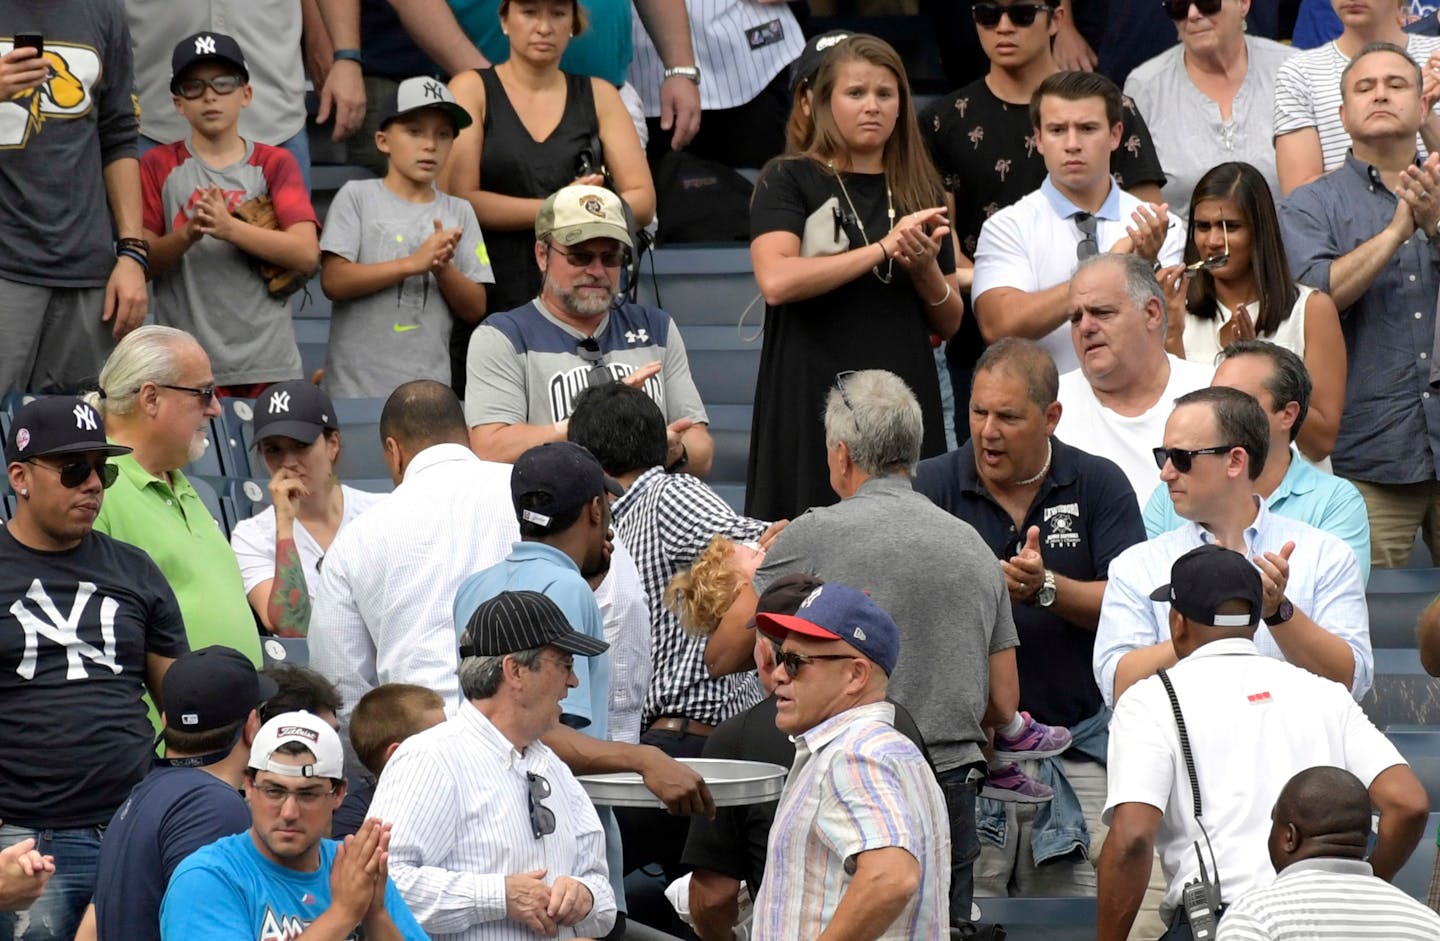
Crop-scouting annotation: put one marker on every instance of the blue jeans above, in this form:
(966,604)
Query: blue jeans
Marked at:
(960,786)
(55,916)
(299,147)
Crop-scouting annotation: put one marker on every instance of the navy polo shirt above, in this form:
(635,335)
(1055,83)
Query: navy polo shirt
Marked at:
(1087,515)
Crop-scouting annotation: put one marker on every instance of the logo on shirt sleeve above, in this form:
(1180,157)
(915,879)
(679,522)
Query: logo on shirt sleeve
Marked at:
(65,95)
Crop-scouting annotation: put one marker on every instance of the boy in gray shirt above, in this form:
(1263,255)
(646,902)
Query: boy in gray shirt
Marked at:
(401,258)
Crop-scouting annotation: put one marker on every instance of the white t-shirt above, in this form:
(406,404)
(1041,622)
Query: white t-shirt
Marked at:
(1253,723)
(1125,440)
(254,541)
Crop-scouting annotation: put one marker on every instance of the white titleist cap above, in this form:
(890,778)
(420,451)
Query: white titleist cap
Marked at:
(307,729)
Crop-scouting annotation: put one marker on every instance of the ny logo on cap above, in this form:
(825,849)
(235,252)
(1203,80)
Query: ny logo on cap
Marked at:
(84,418)
(204,45)
(279,402)
(432,90)
(829,41)
(810,598)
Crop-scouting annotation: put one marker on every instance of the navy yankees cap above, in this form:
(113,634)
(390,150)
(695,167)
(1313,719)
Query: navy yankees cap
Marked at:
(57,424)
(807,64)
(296,409)
(205,47)
(1206,577)
(523,620)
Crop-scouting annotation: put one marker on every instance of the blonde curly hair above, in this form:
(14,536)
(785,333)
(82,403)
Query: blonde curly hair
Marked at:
(701,595)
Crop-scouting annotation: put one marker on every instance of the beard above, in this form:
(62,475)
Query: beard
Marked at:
(584,305)
(198,446)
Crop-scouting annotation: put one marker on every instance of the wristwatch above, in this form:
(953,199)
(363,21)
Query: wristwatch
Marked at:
(1045,597)
(349,55)
(692,72)
(1285,612)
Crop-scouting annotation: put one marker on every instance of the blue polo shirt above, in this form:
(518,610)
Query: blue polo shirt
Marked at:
(1086,512)
(1306,494)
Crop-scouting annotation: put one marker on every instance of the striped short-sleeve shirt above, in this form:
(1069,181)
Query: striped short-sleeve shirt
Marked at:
(1327,898)
(856,785)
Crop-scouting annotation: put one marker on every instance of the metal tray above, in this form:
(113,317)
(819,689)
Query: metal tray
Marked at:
(732,784)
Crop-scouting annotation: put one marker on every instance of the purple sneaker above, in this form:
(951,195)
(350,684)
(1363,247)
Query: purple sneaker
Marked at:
(1013,786)
(1036,740)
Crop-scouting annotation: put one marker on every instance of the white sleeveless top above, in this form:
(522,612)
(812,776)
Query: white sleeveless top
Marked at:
(1202,337)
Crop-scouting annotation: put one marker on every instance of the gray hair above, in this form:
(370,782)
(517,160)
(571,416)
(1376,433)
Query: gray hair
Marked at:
(877,416)
(480,676)
(1140,282)
(1369,49)
(145,355)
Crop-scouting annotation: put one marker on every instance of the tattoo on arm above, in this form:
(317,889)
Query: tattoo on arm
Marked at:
(289,605)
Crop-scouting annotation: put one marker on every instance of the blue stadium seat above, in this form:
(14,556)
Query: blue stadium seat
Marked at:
(371,484)
(701,285)
(1041,919)
(1414,877)
(205,489)
(733,494)
(7,505)
(1403,693)
(1421,747)
(361,454)
(237,423)
(1395,598)
(312,336)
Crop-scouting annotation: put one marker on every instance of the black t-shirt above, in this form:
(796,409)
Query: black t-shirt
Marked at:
(388,49)
(169,815)
(1087,516)
(75,627)
(733,844)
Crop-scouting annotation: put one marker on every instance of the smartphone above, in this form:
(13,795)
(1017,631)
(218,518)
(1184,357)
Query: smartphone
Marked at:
(33,40)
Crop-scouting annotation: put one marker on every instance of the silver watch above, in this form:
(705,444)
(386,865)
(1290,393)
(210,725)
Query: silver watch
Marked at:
(692,72)
(1045,597)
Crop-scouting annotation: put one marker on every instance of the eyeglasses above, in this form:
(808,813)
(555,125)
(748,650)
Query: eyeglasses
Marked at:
(1087,247)
(582,258)
(987,15)
(1214,261)
(76,473)
(192,88)
(588,349)
(566,664)
(792,661)
(203,393)
(542,818)
(840,378)
(1180,9)
(276,796)
(1182,458)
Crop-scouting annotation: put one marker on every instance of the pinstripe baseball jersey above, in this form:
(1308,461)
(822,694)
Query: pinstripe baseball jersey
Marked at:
(740,46)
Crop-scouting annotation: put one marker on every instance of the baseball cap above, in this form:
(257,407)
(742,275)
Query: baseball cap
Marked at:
(576,213)
(205,47)
(807,64)
(212,687)
(785,595)
(523,620)
(415,94)
(296,409)
(563,474)
(59,424)
(1206,577)
(839,612)
(309,730)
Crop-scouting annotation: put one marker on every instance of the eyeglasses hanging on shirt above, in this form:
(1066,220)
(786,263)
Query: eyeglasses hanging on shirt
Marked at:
(1087,247)
(588,349)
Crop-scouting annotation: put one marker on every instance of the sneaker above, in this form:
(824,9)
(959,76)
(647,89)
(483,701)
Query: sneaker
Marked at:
(1013,786)
(1036,740)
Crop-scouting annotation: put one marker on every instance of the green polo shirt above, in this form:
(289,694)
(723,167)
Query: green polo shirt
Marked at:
(171,524)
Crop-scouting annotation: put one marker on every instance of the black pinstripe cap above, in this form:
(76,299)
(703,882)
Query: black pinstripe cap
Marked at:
(523,620)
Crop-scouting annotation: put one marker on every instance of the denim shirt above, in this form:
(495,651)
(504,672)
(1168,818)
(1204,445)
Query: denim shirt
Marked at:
(1059,827)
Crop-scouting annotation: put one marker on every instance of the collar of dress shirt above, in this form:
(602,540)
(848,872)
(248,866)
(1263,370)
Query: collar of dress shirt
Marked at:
(1252,532)
(826,732)
(1064,208)
(435,455)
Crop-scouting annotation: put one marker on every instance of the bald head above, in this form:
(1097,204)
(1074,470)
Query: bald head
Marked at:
(1321,811)
(423,413)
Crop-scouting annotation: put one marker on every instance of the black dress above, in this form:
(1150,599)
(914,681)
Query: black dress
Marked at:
(515,164)
(865,324)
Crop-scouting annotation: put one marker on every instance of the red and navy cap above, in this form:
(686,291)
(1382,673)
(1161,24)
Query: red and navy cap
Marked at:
(839,612)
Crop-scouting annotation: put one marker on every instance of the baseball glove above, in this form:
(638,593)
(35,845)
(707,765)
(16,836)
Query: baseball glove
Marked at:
(279,282)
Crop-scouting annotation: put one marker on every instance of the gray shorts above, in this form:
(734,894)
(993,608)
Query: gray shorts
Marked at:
(51,339)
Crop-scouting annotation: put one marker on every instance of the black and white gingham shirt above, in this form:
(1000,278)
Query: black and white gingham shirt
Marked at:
(666,520)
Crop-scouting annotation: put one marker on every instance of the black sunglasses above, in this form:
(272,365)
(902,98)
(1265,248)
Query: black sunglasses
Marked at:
(1182,459)
(542,818)
(1180,9)
(75,473)
(192,88)
(582,258)
(1021,14)
(792,661)
(840,378)
(588,349)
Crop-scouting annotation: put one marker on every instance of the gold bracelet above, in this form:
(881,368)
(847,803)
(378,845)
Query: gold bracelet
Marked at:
(945,297)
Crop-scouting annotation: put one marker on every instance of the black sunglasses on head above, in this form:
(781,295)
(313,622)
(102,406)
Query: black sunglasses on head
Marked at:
(1021,14)
(1180,9)
(76,473)
(1183,459)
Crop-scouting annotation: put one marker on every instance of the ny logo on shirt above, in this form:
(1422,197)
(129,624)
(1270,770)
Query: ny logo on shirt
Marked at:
(65,630)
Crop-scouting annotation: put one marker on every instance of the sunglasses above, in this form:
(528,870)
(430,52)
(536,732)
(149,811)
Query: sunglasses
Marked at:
(583,258)
(192,88)
(588,349)
(1088,225)
(988,15)
(204,393)
(75,473)
(1182,459)
(542,818)
(1180,9)
(792,661)
(840,378)
(1214,261)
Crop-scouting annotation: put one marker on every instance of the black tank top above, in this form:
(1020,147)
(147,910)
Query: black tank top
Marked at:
(515,164)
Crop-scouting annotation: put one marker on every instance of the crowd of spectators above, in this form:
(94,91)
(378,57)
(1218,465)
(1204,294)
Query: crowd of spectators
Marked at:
(1190,332)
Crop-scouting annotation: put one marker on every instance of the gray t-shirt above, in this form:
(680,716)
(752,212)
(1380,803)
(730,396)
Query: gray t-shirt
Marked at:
(400,333)
(937,579)
(523,367)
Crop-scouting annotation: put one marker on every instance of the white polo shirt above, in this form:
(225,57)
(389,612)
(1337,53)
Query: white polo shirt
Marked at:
(1030,245)
(1253,723)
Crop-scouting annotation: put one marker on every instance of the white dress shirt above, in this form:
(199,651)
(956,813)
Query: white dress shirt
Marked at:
(458,801)
(382,613)
(626,613)
(1324,583)
(1253,723)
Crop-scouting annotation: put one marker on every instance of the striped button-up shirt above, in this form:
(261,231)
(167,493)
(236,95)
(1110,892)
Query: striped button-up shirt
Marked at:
(457,798)
(856,785)
(1329,898)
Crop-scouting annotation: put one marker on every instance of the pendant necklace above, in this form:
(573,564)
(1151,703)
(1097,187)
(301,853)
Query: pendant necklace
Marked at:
(860,223)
